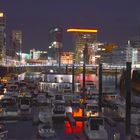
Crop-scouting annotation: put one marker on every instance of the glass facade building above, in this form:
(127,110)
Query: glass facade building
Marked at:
(2,38)
(55,45)
(84,44)
(16,39)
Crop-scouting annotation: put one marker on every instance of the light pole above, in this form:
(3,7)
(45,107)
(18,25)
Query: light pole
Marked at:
(116,79)
(100,88)
(128,101)
(20,42)
(73,73)
(84,68)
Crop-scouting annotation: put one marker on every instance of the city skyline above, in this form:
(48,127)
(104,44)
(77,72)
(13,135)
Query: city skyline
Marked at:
(116,21)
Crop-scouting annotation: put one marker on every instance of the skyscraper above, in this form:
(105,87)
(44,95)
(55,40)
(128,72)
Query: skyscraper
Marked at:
(16,38)
(55,45)
(135,43)
(85,40)
(2,38)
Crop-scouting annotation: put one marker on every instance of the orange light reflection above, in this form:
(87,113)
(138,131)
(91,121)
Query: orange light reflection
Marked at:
(77,129)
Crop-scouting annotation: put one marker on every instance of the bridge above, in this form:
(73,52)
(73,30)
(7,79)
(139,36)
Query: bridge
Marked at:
(56,68)
(75,65)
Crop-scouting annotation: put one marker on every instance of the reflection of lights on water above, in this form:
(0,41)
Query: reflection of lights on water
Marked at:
(79,124)
(70,129)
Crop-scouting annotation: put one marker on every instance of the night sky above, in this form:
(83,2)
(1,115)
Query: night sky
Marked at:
(116,20)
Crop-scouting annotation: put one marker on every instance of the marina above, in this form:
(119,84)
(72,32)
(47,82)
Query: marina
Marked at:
(59,114)
(69,70)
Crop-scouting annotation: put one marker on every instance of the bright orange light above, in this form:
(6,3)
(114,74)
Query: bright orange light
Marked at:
(82,30)
(1,14)
(78,113)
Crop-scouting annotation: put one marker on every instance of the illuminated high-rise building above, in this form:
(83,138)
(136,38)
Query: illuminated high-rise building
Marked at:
(38,55)
(55,45)
(2,38)
(16,37)
(85,47)
(67,58)
(135,43)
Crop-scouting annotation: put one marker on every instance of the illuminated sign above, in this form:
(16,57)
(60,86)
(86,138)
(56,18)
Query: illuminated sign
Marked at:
(82,30)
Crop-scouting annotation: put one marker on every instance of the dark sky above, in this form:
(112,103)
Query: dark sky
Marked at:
(116,20)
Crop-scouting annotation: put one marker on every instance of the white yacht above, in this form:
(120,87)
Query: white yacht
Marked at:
(24,94)
(135,118)
(11,82)
(41,99)
(72,98)
(8,99)
(22,85)
(59,110)
(91,110)
(3,132)
(108,89)
(94,129)
(67,90)
(137,131)
(119,100)
(59,98)
(24,104)
(90,84)
(45,114)
(121,110)
(13,90)
(11,110)
(46,130)
(92,98)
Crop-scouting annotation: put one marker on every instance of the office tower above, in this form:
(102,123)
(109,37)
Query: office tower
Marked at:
(85,47)
(16,38)
(135,43)
(2,38)
(67,57)
(55,45)
(38,55)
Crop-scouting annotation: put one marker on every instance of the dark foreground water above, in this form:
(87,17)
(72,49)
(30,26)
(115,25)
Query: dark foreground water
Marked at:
(25,130)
